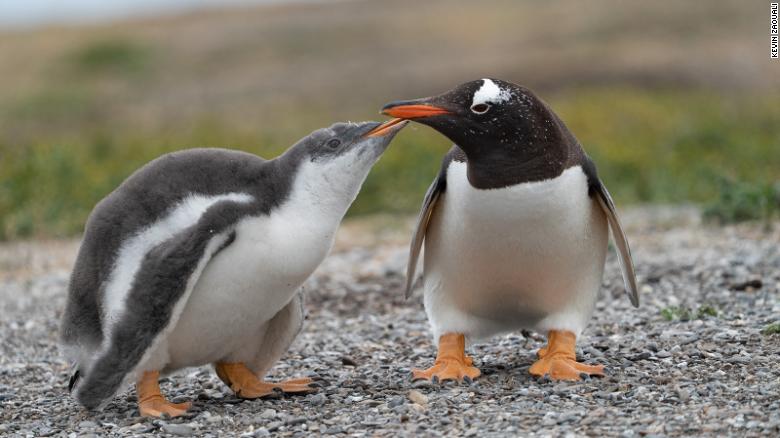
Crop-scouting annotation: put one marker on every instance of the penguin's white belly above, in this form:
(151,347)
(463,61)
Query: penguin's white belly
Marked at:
(525,256)
(243,287)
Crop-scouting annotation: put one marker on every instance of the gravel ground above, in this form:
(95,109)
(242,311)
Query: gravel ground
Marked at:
(695,375)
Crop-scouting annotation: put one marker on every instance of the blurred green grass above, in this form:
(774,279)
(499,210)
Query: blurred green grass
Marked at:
(676,103)
(650,146)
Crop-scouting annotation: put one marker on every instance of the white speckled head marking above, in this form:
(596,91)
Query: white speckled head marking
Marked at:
(490,92)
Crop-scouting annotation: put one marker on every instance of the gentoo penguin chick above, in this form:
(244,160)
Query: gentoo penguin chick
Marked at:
(197,258)
(514,225)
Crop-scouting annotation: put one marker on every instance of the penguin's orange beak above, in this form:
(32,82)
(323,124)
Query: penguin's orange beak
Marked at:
(386,128)
(409,110)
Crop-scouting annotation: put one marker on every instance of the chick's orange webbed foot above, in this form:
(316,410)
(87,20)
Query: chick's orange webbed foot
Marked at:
(245,384)
(559,361)
(151,402)
(451,362)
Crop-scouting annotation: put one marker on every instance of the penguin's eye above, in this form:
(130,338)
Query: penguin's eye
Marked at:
(480,108)
(333,143)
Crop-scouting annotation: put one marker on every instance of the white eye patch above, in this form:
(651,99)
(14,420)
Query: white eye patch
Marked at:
(490,93)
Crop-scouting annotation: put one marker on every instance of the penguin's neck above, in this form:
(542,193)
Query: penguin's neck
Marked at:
(521,165)
(321,194)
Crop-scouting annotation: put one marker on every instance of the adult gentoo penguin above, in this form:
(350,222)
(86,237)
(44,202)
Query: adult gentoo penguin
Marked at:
(514,225)
(197,258)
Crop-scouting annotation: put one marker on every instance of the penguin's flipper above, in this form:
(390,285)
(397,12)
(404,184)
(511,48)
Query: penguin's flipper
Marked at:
(429,204)
(621,242)
(155,300)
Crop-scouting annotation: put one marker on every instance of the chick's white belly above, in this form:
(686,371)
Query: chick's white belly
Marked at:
(240,290)
(510,258)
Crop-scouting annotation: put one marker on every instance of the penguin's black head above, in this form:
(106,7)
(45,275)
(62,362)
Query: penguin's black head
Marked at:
(490,119)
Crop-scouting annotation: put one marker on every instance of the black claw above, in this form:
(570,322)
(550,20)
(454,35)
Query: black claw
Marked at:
(584,376)
(276,393)
(435,380)
(468,380)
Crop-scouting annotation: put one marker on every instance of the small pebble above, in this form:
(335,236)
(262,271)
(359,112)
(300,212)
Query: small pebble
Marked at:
(268,414)
(178,429)
(317,399)
(418,397)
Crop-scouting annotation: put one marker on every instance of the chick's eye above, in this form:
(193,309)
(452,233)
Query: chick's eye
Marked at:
(480,108)
(333,143)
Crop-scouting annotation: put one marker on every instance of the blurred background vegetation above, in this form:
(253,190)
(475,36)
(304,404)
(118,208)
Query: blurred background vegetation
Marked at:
(677,102)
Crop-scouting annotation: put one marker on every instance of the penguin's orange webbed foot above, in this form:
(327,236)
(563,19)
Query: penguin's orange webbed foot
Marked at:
(160,406)
(451,362)
(448,370)
(299,381)
(558,359)
(245,384)
(560,367)
(151,402)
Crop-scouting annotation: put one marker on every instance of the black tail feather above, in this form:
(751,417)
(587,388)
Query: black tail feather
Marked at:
(73,379)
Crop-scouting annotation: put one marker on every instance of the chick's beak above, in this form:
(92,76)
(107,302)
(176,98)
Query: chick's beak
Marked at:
(387,128)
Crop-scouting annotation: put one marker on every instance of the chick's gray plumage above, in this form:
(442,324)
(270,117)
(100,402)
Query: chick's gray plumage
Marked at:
(109,334)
